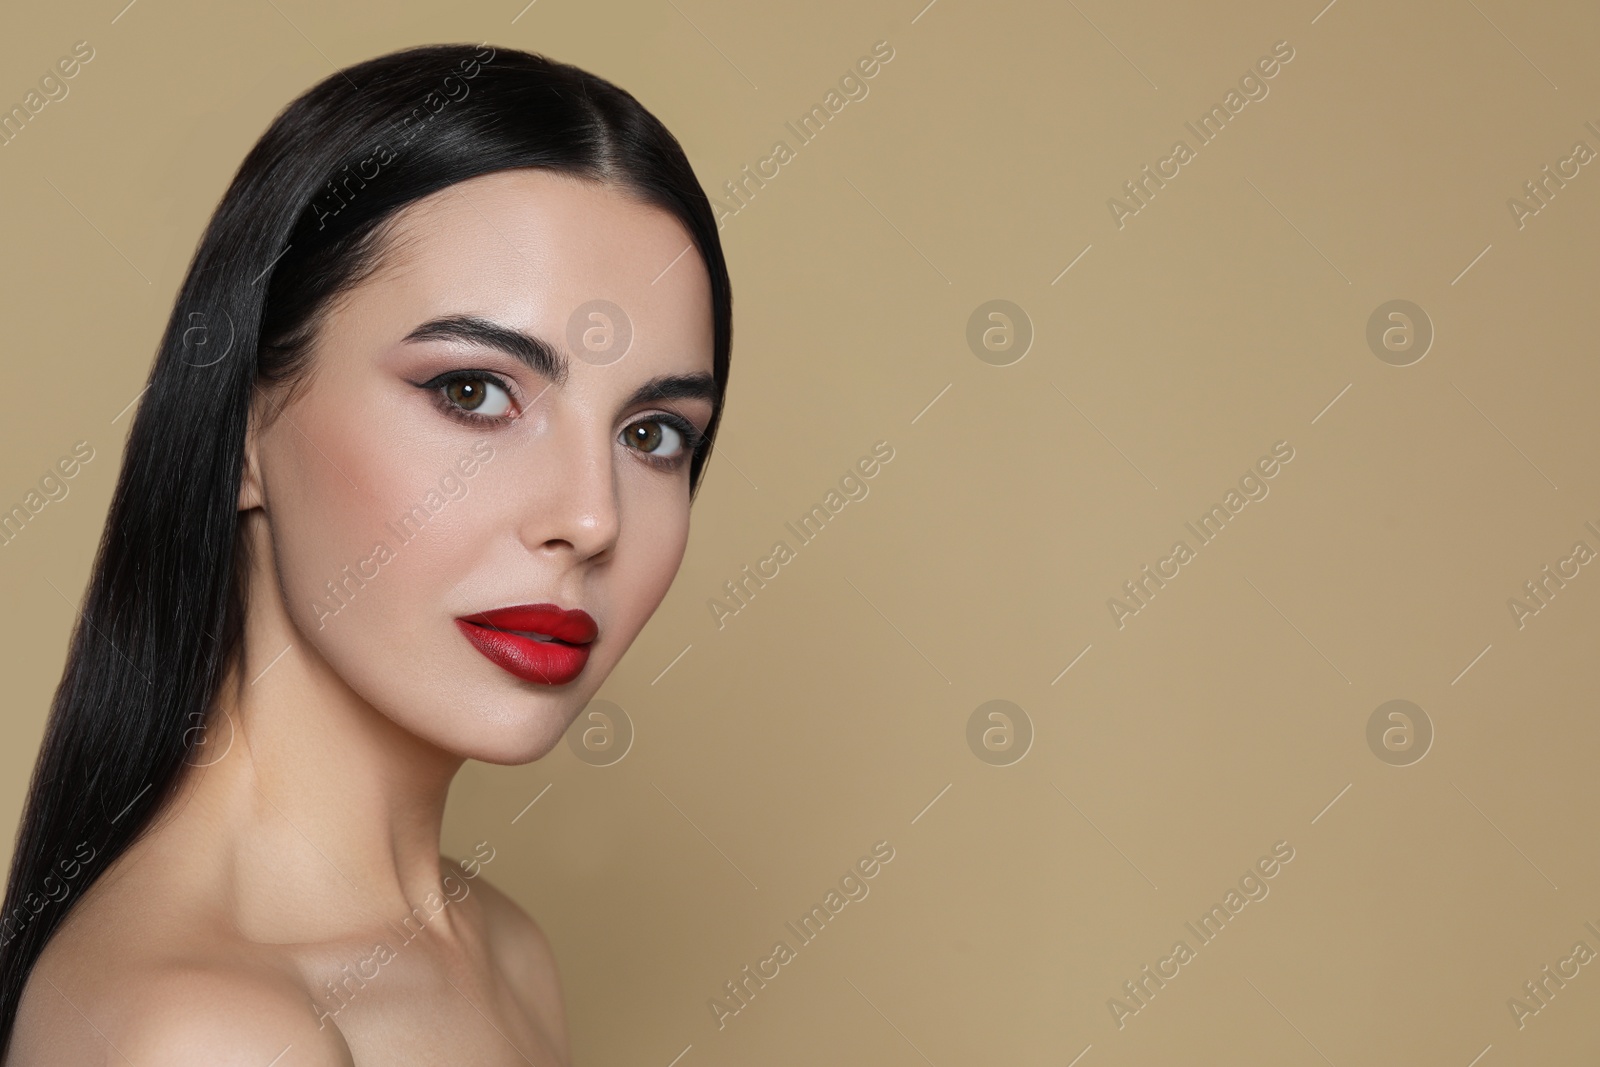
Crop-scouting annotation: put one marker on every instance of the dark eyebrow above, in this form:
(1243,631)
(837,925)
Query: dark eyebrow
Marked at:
(701,386)
(546,361)
(536,352)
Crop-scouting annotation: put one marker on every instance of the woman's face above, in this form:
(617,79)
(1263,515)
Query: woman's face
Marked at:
(483,428)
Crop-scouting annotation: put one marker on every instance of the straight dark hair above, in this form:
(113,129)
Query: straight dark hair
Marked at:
(304,219)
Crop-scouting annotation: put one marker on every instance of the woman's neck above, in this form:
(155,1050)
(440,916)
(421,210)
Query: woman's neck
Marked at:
(319,814)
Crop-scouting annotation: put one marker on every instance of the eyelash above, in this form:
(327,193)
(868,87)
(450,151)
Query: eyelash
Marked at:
(692,437)
(686,429)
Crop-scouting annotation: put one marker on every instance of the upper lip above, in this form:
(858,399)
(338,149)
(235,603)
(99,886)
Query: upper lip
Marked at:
(574,626)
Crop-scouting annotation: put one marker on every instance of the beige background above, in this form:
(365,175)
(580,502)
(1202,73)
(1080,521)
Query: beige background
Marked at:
(832,712)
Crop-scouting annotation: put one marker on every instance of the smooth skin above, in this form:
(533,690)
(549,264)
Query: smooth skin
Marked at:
(312,831)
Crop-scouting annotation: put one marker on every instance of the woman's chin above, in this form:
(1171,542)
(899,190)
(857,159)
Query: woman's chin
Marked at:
(508,741)
(515,751)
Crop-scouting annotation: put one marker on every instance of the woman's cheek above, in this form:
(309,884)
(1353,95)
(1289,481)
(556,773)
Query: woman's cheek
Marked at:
(337,547)
(658,545)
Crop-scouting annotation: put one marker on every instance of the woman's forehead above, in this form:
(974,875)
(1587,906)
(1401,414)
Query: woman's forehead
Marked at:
(531,224)
(533,249)
(540,252)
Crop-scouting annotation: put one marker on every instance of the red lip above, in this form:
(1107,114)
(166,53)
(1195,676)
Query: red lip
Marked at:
(574,627)
(554,662)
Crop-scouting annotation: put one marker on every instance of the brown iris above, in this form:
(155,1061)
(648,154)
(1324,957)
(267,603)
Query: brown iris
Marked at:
(647,435)
(467,393)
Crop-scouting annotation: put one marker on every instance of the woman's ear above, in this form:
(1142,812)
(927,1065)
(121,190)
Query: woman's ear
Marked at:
(250,494)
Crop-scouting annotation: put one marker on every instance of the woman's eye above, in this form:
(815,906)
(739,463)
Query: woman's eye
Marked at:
(480,396)
(648,435)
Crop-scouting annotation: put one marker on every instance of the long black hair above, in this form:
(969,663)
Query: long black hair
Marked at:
(303,220)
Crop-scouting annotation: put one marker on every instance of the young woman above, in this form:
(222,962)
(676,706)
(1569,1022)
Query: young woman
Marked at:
(413,468)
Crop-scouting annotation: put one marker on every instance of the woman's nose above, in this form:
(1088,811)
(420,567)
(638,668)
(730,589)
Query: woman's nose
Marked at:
(575,505)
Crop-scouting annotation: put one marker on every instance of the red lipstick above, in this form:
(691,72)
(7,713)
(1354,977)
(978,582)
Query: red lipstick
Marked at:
(539,643)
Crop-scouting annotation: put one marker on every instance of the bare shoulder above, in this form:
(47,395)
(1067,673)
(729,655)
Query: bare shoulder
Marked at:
(525,955)
(210,1014)
(508,920)
(171,1010)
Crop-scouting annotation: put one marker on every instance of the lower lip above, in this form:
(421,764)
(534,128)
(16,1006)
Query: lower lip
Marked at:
(540,662)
